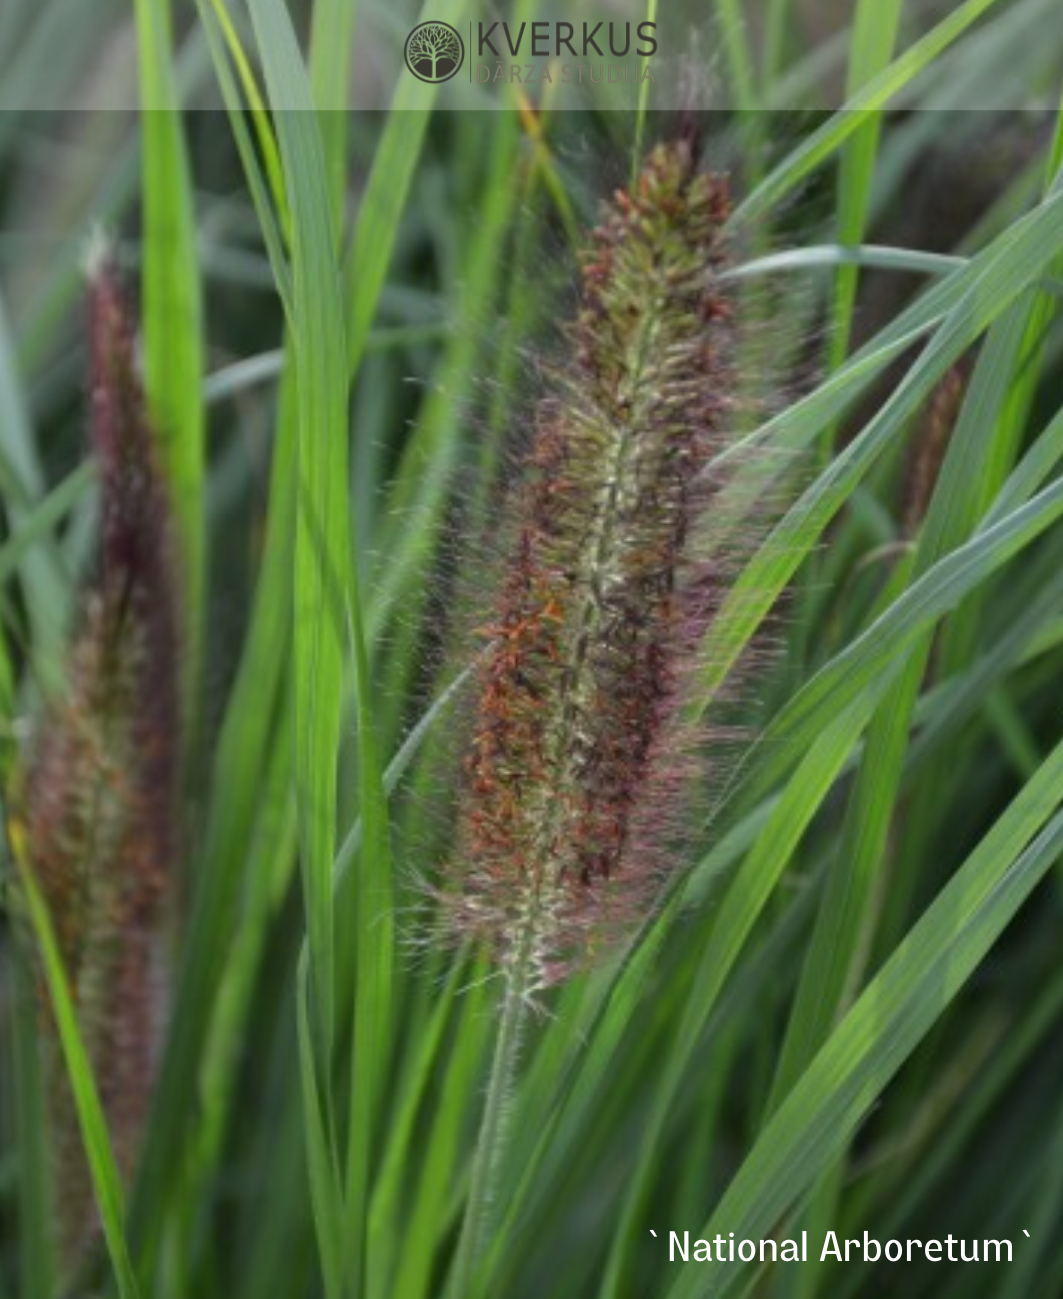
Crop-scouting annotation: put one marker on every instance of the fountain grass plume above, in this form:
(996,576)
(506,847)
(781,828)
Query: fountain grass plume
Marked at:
(96,799)
(577,762)
(583,748)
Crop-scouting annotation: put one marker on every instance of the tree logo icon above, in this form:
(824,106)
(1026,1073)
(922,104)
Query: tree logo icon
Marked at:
(434,52)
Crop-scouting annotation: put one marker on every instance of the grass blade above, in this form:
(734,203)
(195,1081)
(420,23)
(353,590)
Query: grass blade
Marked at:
(173,316)
(102,1166)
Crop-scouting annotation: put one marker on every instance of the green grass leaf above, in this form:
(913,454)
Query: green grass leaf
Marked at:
(106,1182)
(173,319)
(875,94)
(892,1015)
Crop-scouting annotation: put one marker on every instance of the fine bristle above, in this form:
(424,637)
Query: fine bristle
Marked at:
(576,769)
(97,798)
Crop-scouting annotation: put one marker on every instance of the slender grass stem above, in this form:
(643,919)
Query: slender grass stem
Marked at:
(481,1205)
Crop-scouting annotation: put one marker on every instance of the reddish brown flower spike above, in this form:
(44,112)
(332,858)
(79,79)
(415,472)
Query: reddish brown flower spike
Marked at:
(97,798)
(575,774)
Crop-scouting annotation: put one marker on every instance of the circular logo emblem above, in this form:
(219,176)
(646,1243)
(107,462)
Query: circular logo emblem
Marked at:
(434,52)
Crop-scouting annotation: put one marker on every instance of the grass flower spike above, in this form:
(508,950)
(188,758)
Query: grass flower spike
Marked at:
(96,824)
(581,751)
(575,765)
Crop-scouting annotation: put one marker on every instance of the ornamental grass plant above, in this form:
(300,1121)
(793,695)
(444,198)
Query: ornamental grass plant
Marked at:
(529,656)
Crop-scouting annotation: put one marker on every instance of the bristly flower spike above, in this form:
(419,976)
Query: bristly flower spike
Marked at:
(576,768)
(96,802)
(580,756)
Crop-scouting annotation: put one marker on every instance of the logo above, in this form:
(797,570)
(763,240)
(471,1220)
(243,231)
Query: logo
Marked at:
(434,52)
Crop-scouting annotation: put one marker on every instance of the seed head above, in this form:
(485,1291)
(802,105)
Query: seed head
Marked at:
(577,762)
(930,444)
(96,799)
